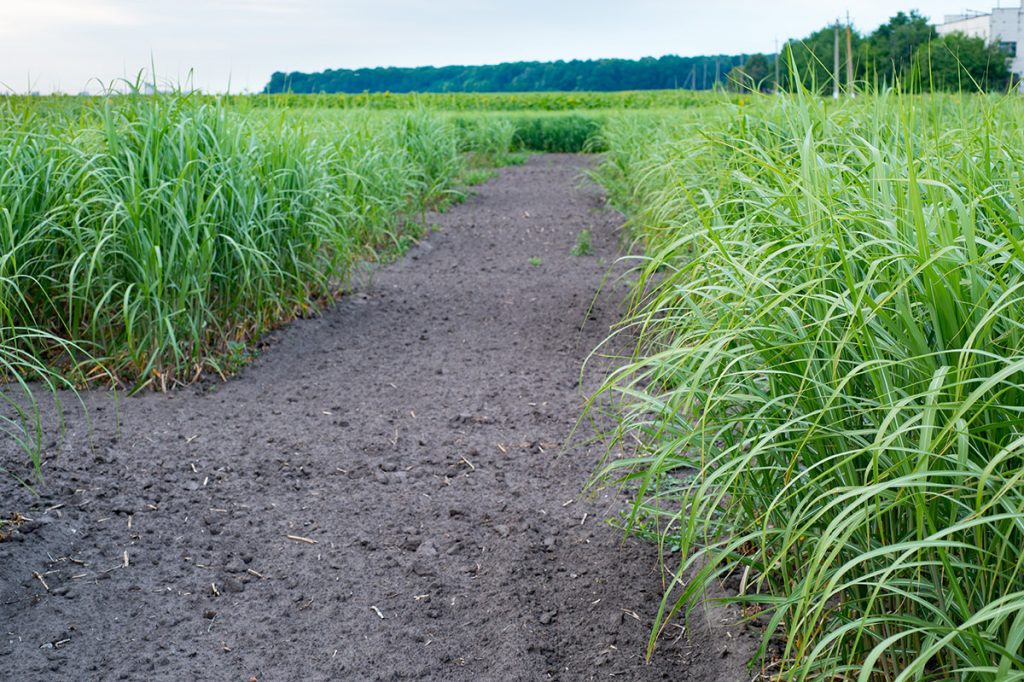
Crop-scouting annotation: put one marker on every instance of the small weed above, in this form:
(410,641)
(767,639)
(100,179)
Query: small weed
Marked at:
(238,355)
(583,246)
(404,243)
(477,176)
(535,262)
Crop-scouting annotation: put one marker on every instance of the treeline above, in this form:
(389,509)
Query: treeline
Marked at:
(597,75)
(906,52)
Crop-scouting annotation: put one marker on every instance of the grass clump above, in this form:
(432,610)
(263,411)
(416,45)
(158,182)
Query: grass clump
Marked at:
(583,246)
(829,377)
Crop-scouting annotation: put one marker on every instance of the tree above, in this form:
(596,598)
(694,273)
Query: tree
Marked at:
(905,51)
(700,73)
(810,61)
(755,74)
(894,43)
(957,62)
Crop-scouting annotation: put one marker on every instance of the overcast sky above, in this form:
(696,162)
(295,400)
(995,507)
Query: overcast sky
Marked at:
(49,45)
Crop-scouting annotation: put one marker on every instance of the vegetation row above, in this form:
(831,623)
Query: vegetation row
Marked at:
(828,378)
(146,240)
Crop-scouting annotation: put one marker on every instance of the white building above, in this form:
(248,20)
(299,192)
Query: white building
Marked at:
(1003,25)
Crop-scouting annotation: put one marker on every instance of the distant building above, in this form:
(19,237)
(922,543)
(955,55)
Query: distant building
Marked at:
(1003,26)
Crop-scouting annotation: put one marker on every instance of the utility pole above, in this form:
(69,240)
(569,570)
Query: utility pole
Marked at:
(835,64)
(777,59)
(849,59)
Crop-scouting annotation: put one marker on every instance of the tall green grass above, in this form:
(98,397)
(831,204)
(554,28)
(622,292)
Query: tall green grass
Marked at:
(828,384)
(154,232)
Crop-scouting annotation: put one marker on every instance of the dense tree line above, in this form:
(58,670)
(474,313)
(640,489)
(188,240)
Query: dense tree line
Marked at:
(601,75)
(906,51)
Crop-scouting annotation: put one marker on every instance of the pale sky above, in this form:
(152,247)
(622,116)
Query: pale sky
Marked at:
(49,45)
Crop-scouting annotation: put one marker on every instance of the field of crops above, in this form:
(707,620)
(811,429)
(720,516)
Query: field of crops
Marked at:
(829,375)
(497,101)
(824,406)
(147,240)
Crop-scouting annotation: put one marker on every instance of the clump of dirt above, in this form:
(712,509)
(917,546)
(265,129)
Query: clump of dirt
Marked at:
(379,495)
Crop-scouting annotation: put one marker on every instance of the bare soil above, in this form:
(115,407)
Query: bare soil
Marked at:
(382,494)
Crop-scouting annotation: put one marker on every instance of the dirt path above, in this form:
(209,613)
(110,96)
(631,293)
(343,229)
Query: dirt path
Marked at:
(411,433)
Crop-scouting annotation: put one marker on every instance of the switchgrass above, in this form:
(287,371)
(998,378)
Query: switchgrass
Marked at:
(154,232)
(488,140)
(828,384)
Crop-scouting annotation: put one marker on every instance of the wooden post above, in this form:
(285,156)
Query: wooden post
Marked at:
(849,59)
(835,65)
(778,56)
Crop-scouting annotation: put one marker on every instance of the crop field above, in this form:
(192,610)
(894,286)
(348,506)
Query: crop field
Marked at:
(817,419)
(155,233)
(149,240)
(498,101)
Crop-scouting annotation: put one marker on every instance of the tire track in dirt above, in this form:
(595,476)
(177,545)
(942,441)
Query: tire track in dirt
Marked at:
(406,441)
